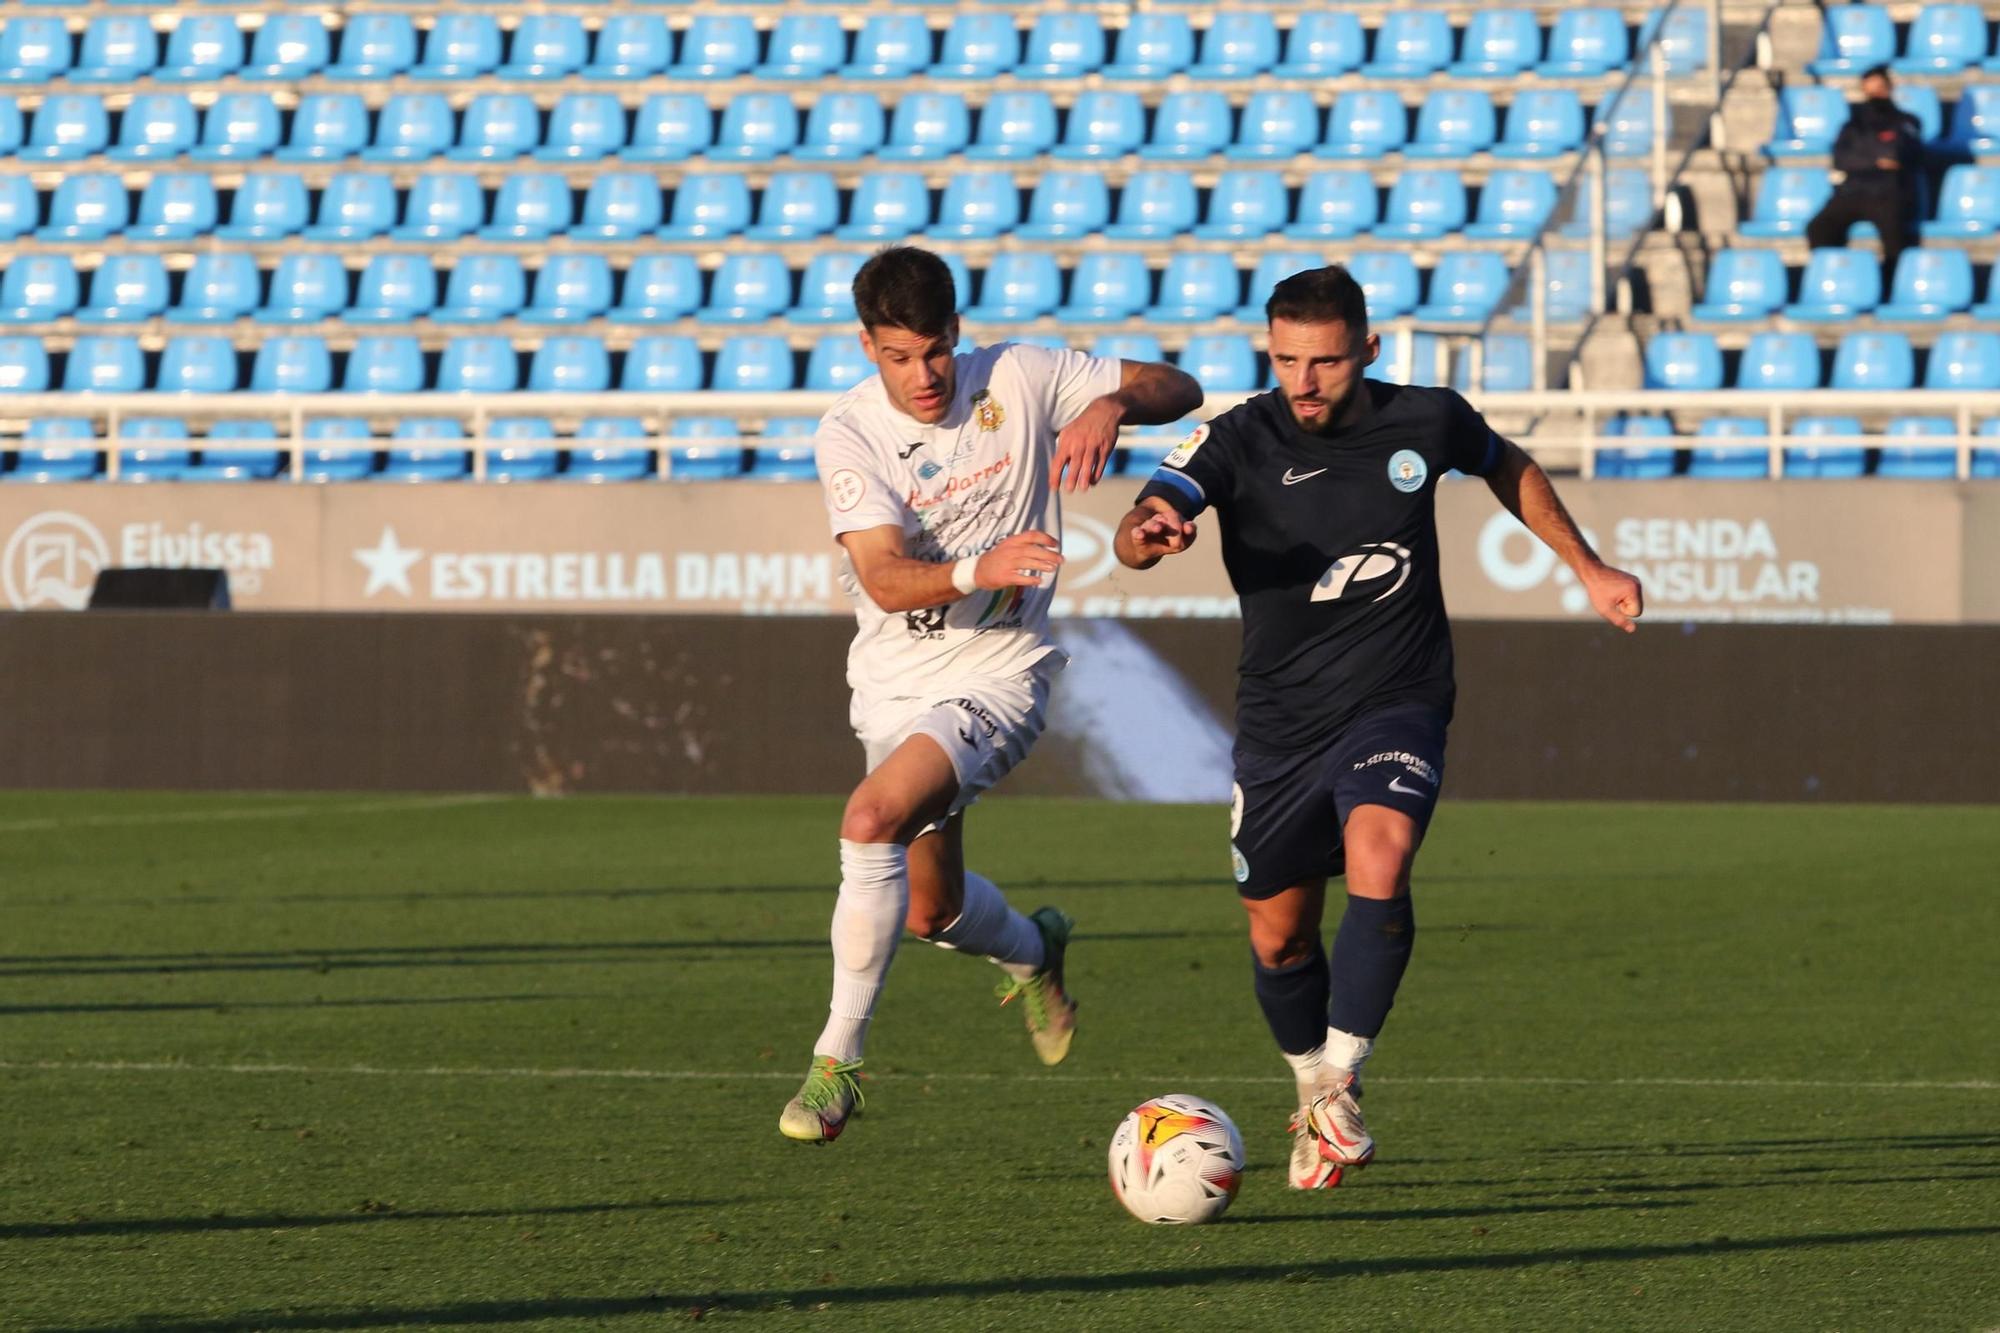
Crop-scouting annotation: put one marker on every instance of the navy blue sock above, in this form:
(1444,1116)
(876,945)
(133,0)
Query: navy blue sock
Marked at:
(1294,1001)
(1370,951)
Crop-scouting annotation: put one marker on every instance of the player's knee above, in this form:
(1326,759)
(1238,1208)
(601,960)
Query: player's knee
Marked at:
(928,920)
(870,819)
(1379,859)
(1278,944)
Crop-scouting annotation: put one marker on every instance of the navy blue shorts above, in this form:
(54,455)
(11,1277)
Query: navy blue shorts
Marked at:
(1288,811)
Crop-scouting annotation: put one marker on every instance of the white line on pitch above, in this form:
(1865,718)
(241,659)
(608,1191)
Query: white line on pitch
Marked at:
(240,812)
(698,1076)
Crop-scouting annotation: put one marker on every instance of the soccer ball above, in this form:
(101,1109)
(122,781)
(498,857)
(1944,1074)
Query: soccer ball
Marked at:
(1176,1159)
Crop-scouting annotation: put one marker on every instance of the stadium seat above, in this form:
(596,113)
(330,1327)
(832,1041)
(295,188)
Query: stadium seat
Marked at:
(661,363)
(419,462)
(238,125)
(305,289)
(1931,284)
(749,288)
(1541,122)
(1742,285)
(1966,361)
(842,127)
(173,207)
(756,127)
(497,127)
(1628,122)
(38,289)
(1237,44)
(326,127)
(1276,123)
(153,127)
(332,462)
(1365,123)
(1498,43)
(1389,280)
(1566,278)
(1731,463)
(1921,101)
(1334,205)
(569,289)
(24,367)
(927,126)
(1128,347)
(583,127)
(545,47)
(1918,462)
(1683,361)
(1808,119)
(202,48)
(1873,361)
(267,206)
(289,48)
(1852,38)
(1628,206)
(1683,37)
(978,46)
(354,206)
(1154,204)
(125,289)
(826,291)
(1465,288)
(889,206)
(116,49)
(1107,287)
(790,461)
(20,206)
(708,206)
(1417,365)
(1245,204)
(157,449)
(1273,267)
(1778,361)
(483,288)
(1968,203)
(1838,285)
(978,205)
(1222,362)
(88,206)
(1822,460)
(1152,45)
(384,363)
(104,363)
(383,46)
(1067,204)
(620,206)
(753,363)
(226,455)
(65,127)
(459,47)
(412,127)
(1062,46)
(1018,285)
(521,457)
(1634,462)
(570,364)
(597,456)
(441,208)
(804,46)
(704,462)
(1410,44)
(203,363)
(1787,199)
(889,46)
(1014,125)
(716,46)
(836,363)
(221,287)
(394,289)
(1423,205)
(1453,122)
(659,289)
(631,46)
(530,206)
(33,49)
(1513,203)
(1975,123)
(1944,39)
(482,363)
(671,127)
(1102,123)
(1197,287)
(1587,44)
(1322,44)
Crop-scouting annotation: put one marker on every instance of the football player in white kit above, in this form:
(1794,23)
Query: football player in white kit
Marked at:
(940,473)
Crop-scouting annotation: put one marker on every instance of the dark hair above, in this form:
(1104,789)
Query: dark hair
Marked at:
(906,288)
(1877,72)
(1327,295)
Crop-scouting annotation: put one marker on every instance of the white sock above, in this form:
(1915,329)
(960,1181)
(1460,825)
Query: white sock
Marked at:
(1346,1051)
(987,925)
(867,923)
(1305,1071)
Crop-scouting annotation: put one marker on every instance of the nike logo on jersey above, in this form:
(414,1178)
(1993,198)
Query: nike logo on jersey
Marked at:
(1291,480)
(1396,784)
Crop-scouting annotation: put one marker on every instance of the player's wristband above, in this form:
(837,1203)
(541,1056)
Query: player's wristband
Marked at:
(962,577)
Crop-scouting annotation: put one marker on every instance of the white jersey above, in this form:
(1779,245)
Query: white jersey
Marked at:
(957,488)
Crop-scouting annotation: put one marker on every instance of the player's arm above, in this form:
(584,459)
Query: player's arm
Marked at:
(896,582)
(1149,393)
(1153,530)
(1519,483)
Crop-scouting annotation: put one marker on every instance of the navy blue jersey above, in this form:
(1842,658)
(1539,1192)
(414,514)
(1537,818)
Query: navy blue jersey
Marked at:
(1331,544)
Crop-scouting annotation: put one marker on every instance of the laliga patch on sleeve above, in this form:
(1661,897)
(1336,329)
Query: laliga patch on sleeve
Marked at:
(1186,448)
(845,488)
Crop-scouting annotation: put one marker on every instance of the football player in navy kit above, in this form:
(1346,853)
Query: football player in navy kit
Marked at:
(1324,492)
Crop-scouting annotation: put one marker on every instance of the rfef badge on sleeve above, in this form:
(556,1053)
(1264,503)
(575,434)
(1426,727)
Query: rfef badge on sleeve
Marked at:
(1186,448)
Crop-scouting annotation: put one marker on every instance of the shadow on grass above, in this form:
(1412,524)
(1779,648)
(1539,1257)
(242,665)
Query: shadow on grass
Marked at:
(1870,1144)
(226,1006)
(695,1303)
(370,1212)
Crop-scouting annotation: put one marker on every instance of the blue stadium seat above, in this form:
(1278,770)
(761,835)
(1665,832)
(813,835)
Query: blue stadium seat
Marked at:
(836,363)
(630,46)
(1453,122)
(153,127)
(1498,43)
(33,50)
(412,127)
(38,289)
(1944,39)
(569,289)
(1773,360)
(889,46)
(1389,280)
(1567,281)
(1222,362)
(1683,37)
(1967,361)
(305,289)
(1873,361)
(126,289)
(1635,463)
(354,206)
(384,363)
(753,363)
(705,462)
(531,206)
(382,46)
(1421,359)
(497,127)
(1410,44)
(1154,204)
(1322,44)
(483,363)
(716,46)
(289,48)
(161,453)
(805,46)
(1742,285)
(791,461)
(1107,287)
(1128,347)
(199,363)
(238,125)
(1273,267)
(1152,45)
(287,364)
(1245,204)
(394,289)
(1507,364)
(1628,122)
(1586,43)
(1334,205)
(583,127)
(826,291)
(104,363)
(483,288)
(1917,462)
(1276,123)
(1808,119)
(1968,202)
(670,127)
(843,127)
(595,458)
(24,368)
(659,289)
(1365,123)
(927,126)
(710,205)
(961,279)
(1424,204)
(173,207)
(1018,285)
(202,48)
(44,458)
(1787,199)
(620,206)
(1237,44)
(1838,285)
(460,46)
(1628,206)
(1465,288)
(978,46)
(1683,361)
(522,457)
(20,206)
(756,127)
(66,126)
(88,206)
(570,364)
(326,127)
(1541,122)
(221,286)
(887,206)
(1014,124)
(1197,287)
(1726,462)
(1921,101)
(1513,203)
(978,205)
(1822,460)
(441,208)
(1975,123)
(662,363)
(1102,123)
(224,458)
(1852,38)
(1067,204)
(1062,46)
(267,206)
(750,287)
(116,49)
(421,462)
(1931,284)
(332,462)
(546,46)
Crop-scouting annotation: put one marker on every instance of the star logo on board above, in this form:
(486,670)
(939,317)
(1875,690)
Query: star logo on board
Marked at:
(388,564)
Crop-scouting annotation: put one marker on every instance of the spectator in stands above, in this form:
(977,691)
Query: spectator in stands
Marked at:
(1880,150)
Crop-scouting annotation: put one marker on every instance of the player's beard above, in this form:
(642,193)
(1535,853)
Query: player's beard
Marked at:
(1330,422)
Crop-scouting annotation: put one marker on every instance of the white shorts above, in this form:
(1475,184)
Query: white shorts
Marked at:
(985,725)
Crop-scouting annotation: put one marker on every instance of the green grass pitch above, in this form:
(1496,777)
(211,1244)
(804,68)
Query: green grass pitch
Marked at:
(280,1062)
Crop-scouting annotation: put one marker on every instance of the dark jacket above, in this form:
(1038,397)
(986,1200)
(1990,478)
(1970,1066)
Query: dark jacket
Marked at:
(1877,130)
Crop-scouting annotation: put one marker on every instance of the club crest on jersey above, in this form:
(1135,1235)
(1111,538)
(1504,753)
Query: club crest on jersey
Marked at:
(990,414)
(1407,471)
(1185,449)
